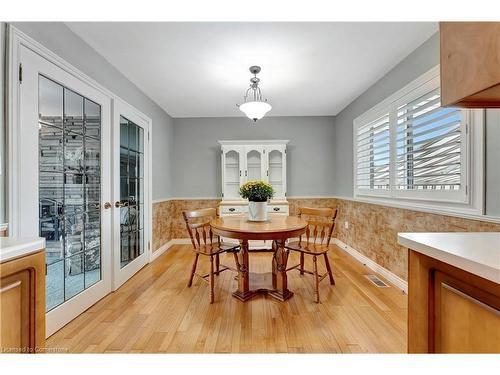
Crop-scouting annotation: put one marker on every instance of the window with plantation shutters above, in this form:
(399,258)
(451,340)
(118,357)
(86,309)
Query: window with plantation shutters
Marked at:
(373,154)
(410,149)
(428,145)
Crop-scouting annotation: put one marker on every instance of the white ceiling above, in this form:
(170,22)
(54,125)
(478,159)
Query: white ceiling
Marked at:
(201,69)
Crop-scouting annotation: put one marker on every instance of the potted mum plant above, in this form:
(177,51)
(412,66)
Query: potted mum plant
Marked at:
(258,193)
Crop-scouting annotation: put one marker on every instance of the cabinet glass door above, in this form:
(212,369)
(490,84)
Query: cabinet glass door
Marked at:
(276,169)
(232,174)
(254,165)
(69,190)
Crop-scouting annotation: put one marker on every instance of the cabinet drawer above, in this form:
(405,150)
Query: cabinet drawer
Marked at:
(228,210)
(278,208)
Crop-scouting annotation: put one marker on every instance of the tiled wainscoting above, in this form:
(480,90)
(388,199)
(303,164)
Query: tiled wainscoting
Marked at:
(372,228)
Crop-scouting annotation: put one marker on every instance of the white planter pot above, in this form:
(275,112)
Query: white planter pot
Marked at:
(257,211)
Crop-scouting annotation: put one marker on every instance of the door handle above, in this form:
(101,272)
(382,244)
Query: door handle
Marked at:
(107,205)
(119,204)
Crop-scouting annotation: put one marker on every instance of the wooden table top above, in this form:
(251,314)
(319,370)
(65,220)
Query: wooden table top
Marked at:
(277,227)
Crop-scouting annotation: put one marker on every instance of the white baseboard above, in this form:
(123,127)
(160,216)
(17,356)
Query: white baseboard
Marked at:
(168,245)
(392,278)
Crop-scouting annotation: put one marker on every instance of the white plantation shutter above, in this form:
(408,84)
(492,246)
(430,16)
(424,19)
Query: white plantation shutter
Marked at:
(409,148)
(373,154)
(429,145)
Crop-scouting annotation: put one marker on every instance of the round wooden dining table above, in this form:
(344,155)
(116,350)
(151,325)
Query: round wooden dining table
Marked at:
(278,229)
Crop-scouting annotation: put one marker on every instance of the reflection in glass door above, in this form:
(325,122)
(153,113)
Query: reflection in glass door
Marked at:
(69,190)
(131,202)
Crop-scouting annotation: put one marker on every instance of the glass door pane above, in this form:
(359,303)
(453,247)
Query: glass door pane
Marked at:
(276,172)
(131,191)
(232,174)
(254,165)
(69,190)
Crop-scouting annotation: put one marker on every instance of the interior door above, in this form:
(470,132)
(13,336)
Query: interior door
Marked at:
(131,229)
(63,169)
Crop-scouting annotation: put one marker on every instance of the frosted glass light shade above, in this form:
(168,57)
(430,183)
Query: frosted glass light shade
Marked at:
(255,110)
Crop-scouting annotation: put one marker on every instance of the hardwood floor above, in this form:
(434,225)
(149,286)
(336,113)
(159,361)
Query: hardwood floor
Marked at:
(156,312)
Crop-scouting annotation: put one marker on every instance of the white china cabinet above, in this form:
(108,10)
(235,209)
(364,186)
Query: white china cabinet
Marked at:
(243,161)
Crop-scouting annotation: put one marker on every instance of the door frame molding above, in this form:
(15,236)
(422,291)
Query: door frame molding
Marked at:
(15,40)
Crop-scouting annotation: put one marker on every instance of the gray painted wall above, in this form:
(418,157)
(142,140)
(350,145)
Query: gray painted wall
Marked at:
(415,64)
(196,167)
(57,37)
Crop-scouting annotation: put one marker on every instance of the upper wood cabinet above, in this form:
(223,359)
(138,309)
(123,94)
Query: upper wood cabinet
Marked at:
(470,64)
(253,160)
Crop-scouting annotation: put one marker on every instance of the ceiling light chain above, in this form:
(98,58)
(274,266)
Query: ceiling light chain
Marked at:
(258,107)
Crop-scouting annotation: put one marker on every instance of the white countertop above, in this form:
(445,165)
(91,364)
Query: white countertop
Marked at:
(15,247)
(477,253)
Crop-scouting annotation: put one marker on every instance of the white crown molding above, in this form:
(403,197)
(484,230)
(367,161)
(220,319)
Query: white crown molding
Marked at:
(254,142)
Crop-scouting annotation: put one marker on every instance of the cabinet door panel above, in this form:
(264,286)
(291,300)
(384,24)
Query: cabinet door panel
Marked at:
(15,312)
(467,319)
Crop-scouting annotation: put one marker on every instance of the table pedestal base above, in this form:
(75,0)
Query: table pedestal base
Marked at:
(262,283)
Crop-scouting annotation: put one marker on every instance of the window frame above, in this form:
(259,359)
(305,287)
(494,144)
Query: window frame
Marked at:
(469,198)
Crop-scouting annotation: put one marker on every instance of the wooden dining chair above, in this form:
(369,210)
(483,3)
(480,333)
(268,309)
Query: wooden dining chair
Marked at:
(319,230)
(206,243)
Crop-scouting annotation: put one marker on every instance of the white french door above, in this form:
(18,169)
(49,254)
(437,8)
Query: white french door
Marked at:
(62,178)
(131,229)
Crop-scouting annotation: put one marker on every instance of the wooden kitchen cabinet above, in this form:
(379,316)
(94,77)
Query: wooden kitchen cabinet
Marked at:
(22,304)
(470,64)
(451,310)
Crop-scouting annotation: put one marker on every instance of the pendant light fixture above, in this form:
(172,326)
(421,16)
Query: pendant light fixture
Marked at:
(254,107)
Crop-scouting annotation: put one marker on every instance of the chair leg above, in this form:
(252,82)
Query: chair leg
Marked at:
(329,269)
(193,270)
(217,264)
(211,279)
(301,263)
(316,279)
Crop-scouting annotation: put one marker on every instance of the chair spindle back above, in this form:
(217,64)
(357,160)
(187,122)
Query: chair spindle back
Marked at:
(198,226)
(320,224)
